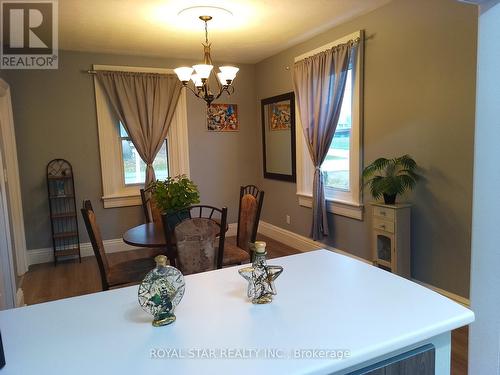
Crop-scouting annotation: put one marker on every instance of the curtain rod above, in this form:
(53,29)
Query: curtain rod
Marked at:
(93,72)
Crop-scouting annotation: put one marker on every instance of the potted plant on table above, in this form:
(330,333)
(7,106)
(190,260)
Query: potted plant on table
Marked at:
(174,194)
(390,177)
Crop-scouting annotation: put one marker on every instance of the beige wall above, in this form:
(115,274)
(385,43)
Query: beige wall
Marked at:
(420,65)
(419,99)
(55,116)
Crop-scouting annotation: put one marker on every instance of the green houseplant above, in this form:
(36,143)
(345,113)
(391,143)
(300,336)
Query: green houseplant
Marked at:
(175,193)
(390,177)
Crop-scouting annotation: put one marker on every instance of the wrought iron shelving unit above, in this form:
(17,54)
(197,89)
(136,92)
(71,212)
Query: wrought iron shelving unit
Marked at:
(63,214)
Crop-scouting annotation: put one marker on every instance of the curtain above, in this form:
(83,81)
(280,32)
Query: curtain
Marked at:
(145,104)
(319,83)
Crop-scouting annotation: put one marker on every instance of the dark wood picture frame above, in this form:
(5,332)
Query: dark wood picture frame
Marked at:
(290,96)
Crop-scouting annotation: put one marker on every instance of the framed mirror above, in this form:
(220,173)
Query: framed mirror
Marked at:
(278,137)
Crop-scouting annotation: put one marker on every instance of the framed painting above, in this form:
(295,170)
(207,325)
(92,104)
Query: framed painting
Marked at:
(222,118)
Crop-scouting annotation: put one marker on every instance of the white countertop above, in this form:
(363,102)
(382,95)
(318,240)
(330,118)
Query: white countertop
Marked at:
(325,301)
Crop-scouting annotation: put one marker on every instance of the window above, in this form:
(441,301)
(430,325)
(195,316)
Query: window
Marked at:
(336,165)
(122,170)
(342,166)
(134,168)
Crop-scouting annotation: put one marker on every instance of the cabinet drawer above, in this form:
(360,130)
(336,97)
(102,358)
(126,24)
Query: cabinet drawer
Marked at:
(386,226)
(383,212)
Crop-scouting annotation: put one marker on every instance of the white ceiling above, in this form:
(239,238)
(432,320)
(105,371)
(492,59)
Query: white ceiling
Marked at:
(258,28)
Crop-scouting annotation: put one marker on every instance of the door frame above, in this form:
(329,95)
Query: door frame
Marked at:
(13,188)
(7,274)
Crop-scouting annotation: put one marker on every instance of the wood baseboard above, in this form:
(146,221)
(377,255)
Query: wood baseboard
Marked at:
(46,255)
(298,241)
(303,243)
(20,298)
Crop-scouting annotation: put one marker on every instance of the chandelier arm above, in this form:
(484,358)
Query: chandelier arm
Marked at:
(219,94)
(206,91)
(226,88)
(219,86)
(193,91)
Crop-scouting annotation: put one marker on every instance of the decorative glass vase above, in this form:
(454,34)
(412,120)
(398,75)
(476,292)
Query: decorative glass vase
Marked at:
(161,291)
(260,276)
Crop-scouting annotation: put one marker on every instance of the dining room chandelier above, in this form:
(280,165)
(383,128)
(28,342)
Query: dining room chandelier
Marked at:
(202,73)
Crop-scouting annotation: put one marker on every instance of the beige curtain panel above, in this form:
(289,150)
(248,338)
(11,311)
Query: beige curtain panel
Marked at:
(319,83)
(145,104)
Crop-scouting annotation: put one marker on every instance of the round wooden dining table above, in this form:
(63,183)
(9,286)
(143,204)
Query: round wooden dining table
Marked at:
(146,235)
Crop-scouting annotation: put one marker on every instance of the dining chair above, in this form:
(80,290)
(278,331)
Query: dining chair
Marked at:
(118,274)
(250,206)
(151,211)
(196,235)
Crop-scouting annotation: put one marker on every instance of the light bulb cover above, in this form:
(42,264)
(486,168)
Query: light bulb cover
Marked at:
(203,70)
(229,71)
(197,80)
(184,73)
(222,78)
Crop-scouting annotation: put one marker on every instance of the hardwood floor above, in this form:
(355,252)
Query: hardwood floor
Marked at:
(44,282)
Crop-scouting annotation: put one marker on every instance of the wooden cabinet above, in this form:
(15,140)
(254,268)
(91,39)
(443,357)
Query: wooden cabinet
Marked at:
(420,361)
(391,237)
(63,215)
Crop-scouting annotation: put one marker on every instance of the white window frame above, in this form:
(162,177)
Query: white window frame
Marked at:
(115,192)
(338,201)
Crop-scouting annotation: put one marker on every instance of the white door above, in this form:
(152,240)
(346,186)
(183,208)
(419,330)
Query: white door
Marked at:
(7,277)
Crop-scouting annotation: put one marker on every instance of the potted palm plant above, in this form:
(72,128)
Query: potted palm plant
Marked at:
(390,177)
(174,194)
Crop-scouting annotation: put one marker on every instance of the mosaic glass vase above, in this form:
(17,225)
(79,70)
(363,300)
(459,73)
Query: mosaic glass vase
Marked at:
(161,291)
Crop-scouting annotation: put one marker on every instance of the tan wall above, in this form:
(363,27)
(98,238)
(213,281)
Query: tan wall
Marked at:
(55,116)
(419,99)
(420,66)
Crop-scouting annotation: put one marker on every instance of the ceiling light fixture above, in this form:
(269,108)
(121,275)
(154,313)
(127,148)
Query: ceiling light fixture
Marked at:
(202,73)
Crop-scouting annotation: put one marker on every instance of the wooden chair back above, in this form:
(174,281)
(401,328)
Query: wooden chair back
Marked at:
(197,236)
(96,240)
(151,211)
(250,206)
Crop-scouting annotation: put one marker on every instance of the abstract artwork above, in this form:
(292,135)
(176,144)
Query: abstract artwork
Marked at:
(222,118)
(279,116)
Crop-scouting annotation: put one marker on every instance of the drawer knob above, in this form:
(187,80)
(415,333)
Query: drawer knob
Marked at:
(382,213)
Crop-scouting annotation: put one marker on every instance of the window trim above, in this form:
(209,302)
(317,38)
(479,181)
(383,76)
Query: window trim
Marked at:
(115,192)
(340,202)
